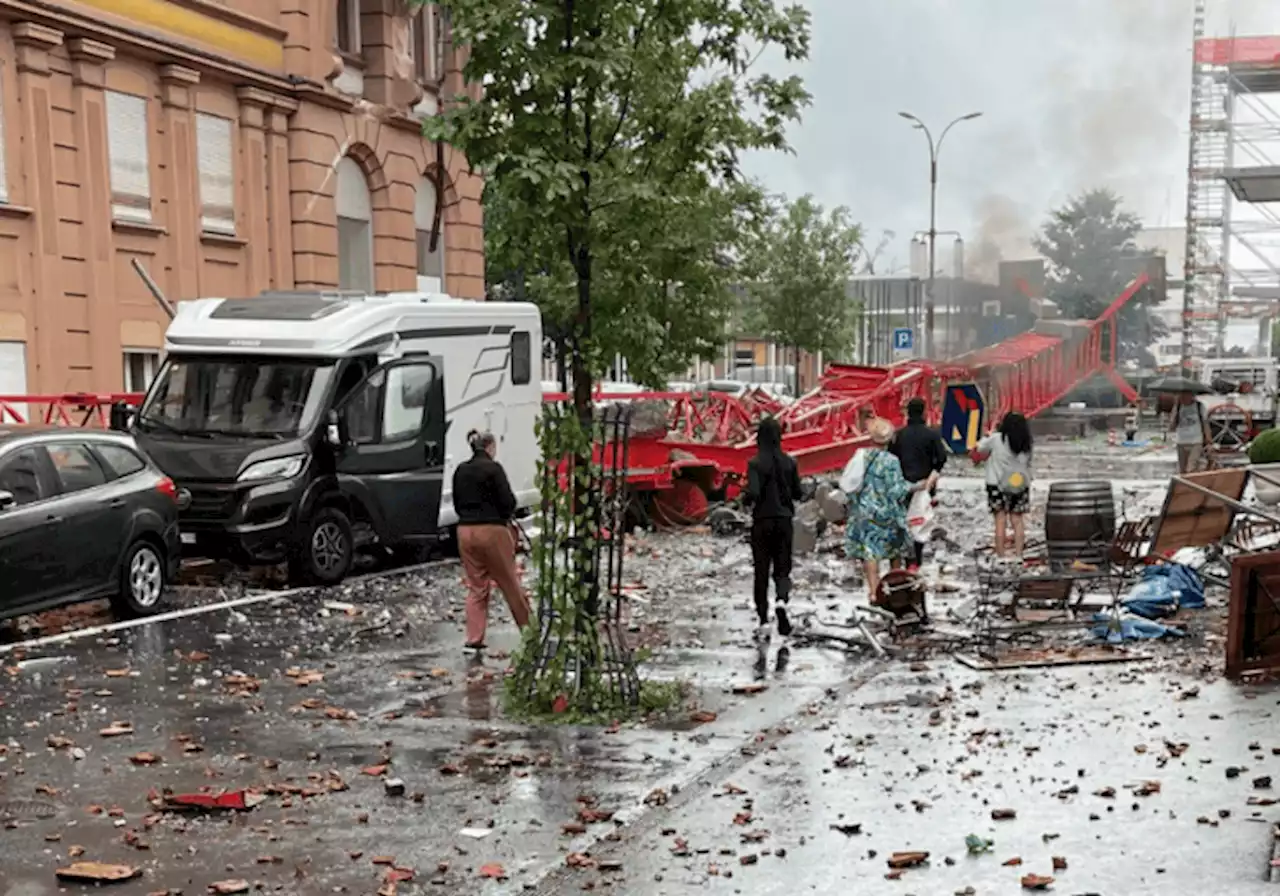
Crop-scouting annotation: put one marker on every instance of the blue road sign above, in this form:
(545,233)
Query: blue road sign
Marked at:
(963,415)
(903,339)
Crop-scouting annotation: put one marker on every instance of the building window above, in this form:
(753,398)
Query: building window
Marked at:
(430,258)
(4,179)
(139,370)
(355,228)
(427,43)
(348,36)
(217,189)
(130,164)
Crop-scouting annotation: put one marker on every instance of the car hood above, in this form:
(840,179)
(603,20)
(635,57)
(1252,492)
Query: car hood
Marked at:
(187,459)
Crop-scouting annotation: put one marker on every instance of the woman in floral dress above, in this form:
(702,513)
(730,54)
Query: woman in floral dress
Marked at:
(878,494)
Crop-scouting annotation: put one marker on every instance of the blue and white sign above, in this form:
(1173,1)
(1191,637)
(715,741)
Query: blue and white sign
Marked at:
(903,339)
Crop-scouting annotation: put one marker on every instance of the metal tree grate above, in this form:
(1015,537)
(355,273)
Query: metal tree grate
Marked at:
(594,641)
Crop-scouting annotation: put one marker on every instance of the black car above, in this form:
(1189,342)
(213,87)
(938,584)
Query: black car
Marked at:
(83,515)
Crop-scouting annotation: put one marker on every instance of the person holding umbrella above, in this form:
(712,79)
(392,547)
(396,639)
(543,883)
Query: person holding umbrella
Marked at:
(1187,421)
(1190,431)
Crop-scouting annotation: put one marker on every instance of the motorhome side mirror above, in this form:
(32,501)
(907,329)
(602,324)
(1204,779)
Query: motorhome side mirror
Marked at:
(121,417)
(333,433)
(7,500)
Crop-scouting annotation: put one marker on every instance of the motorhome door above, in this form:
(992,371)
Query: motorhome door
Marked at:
(393,459)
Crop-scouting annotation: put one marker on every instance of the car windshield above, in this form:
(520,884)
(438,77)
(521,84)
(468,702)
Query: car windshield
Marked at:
(235,396)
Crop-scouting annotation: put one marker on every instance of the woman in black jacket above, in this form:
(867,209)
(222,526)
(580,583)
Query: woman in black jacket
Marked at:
(773,488)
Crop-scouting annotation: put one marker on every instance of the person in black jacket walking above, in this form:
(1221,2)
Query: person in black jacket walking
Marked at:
(773,488)
(486,508)
(920,450)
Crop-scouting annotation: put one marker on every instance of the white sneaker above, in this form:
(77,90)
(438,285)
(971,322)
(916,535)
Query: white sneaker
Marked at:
(763,633)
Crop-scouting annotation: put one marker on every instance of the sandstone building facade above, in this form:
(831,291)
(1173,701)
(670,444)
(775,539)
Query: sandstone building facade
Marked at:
(230,146)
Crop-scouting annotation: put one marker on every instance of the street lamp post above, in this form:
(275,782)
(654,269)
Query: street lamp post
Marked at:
(934,149)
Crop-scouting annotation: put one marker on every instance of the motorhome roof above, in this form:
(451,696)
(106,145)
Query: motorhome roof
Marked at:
(334,324)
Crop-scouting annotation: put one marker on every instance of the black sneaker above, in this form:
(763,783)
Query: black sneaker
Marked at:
(784,623)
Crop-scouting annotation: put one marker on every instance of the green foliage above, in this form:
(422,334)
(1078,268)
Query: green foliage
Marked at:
(1265,448)
(1092,253)
(568,661)
(798,293)
(610,134)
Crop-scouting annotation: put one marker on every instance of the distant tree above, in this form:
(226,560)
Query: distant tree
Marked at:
(798,294)
(1091,247)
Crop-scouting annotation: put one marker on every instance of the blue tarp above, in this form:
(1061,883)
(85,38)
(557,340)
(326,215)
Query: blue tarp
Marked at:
(1130,628)
(1164,590)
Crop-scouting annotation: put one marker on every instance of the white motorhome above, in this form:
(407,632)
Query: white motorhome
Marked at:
(303,426)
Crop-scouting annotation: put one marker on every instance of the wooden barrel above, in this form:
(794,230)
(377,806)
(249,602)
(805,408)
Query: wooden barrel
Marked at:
(1080,521)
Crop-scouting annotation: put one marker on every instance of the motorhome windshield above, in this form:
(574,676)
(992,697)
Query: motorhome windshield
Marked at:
(260,397)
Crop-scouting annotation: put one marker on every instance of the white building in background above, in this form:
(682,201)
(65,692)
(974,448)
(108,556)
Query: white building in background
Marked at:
(1171,242)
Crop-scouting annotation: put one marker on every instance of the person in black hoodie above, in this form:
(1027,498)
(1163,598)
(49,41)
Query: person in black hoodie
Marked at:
(773,488)
(920,450)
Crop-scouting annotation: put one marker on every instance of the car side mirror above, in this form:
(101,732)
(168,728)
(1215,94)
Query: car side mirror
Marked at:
(7,500)
(334,431)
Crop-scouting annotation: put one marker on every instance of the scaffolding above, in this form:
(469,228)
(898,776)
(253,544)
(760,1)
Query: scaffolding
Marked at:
(1233,188)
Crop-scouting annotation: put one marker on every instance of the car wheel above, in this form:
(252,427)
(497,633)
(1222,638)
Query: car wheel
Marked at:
(326,550)
(143,578)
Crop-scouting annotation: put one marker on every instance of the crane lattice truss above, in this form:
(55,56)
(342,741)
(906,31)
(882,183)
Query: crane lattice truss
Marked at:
(1233,241)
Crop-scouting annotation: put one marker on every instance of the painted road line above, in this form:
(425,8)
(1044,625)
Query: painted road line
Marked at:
(248,600)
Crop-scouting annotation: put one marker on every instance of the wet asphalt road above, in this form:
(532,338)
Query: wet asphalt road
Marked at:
(920,760)
(299,700)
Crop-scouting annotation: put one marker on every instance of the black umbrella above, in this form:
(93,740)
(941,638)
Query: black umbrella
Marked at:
(1178,384)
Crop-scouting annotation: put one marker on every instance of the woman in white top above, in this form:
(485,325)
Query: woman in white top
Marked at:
(1007,453)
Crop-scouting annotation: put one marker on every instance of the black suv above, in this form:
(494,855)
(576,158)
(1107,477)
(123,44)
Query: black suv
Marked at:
(83,515)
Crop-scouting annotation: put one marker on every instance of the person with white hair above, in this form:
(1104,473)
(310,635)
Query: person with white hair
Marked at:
(486,509)
(877,493)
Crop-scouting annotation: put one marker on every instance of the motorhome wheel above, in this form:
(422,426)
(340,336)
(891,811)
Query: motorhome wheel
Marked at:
(326,550)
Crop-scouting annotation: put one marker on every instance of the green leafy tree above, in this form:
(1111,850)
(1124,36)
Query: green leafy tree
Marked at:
(1093,255)
(610,134)
(798,294)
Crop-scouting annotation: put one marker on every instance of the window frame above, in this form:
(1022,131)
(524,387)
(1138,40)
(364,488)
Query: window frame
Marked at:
(350,11)
(100,450)
(221,220)
(151,361)
(427,26)
(378,405)
(125,206)
(4,158)
(517,378)
(89,455)
(365,247)
(44,474)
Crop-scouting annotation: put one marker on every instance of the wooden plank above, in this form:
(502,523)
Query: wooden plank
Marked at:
(1038,659)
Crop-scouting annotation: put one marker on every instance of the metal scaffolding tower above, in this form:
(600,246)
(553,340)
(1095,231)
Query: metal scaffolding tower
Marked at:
(1233,187)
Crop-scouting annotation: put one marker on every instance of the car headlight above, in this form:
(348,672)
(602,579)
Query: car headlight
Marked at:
(276,468)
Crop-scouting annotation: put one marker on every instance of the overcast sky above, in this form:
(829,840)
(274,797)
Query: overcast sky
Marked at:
(1074,94)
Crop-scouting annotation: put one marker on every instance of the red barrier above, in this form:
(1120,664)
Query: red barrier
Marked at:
(68,409)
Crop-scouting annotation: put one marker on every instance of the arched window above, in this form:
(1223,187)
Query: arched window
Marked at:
(430,261)
(355,228)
